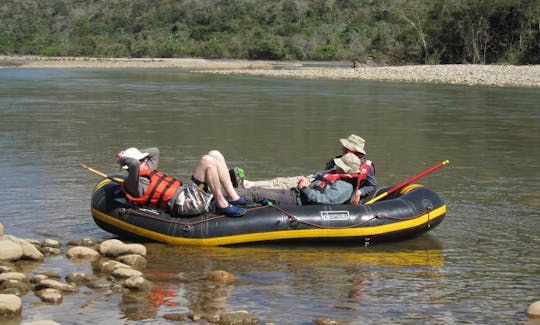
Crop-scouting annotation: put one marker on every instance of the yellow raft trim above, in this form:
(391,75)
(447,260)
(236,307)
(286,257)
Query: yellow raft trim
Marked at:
(273,235)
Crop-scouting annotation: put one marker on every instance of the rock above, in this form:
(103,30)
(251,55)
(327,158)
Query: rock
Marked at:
(82,242)
(10,305)
(176,317)
(326,321)
(49,283)
(50,251)
(134,260)
(50,295)
(51,243)
(109,266)
(114,248)
(30,251)
(37,278)
(42,322)
(122,272)
(12,276)
(534,310)
(238,317)
(221,276)
(1,230)
(10,251)
(81,252)
(20,287)
(52,274)
(6,268)
(138,283)
(78,278)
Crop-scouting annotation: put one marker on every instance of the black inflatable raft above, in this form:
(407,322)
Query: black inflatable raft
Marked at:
(410,212)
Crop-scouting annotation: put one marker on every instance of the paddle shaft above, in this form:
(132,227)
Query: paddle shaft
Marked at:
(97,172)
(407,182)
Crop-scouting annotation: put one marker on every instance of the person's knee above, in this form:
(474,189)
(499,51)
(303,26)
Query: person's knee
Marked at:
(216,155)
(207,161)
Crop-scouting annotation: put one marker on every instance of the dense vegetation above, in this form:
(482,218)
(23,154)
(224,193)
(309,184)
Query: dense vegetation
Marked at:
(396,31)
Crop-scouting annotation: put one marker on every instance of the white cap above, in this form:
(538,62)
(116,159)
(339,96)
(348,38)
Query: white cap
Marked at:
(133,153)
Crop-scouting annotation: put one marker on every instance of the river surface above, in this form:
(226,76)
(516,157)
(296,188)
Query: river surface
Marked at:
(480,266)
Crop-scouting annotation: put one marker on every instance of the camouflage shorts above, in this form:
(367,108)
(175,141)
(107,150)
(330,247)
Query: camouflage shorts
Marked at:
(191,201)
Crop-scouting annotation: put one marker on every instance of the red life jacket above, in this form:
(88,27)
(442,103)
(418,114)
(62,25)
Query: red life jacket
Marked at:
(160,190)
(362,175)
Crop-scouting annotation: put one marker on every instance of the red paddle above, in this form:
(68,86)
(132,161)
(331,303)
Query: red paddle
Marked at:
(407,182)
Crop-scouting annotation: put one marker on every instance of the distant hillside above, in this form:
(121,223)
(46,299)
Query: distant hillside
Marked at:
(389,31)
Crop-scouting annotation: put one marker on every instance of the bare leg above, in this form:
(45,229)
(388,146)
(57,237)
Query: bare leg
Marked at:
(213,170)
(224,176)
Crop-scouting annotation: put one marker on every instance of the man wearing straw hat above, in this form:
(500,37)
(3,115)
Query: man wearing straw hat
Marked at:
(352,144)
(335,188)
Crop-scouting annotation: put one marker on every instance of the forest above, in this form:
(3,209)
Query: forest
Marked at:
(392,32)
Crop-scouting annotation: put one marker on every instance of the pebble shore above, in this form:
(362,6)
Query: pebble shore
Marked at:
(118,268)
(462,74)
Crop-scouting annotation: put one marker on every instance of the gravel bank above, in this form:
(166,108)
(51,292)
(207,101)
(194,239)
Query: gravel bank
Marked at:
(473,75)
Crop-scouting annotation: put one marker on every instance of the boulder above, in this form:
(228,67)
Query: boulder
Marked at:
(9,250)
(10,305)
(81,252)
(50,295)
(533,311)
(138,283)
(238,317)
(122,272)
(114,248)
(30,251)
(221,276)
(134,260)
(50,283)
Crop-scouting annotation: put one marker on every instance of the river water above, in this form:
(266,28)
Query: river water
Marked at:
(480,266)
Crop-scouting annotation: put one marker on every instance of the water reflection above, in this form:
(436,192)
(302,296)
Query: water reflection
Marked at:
(346,277)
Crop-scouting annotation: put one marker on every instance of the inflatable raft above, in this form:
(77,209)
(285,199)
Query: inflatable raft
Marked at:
(405,214)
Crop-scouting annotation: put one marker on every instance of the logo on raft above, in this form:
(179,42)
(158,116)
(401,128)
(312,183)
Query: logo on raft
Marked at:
(335,215)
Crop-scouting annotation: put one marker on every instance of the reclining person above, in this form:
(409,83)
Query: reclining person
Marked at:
(352,144)
(147,186)
(337,187)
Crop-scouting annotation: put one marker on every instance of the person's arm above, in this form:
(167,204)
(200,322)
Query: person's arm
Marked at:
(337,193)
(370,183)
(131,183)
(152,160)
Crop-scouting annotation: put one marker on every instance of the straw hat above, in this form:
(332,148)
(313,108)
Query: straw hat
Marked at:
(354,143)
(349,163)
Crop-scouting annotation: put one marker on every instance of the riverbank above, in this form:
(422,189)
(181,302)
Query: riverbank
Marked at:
(473,75)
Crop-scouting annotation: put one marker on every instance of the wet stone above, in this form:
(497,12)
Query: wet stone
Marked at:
(51,243)
(50,251)
(238,317)
(87,242)
(80,278)
(50,295)
(81,252)
(10,251)
(10,305)
(176,317)
(134,260)
(138,283)
(49,283)
(124,273)
(221,276)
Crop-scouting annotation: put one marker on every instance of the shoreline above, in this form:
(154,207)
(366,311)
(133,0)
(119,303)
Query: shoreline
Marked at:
(458,74)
